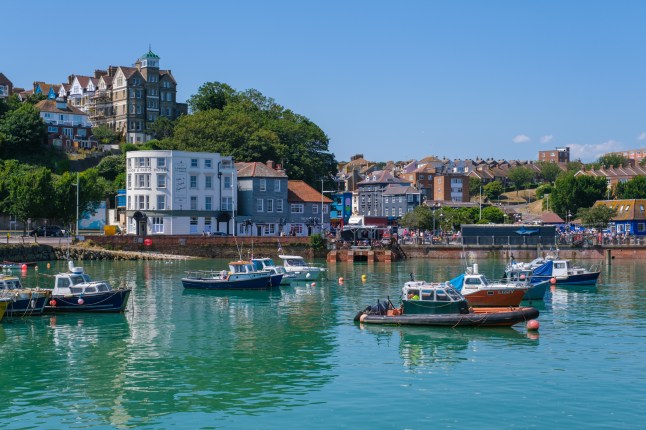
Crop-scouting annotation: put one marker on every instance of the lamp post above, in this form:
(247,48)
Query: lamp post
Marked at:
(322,196)
(77,203)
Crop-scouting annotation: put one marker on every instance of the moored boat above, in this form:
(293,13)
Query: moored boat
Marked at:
(302,271)
(439,304)
(479,291)
(24,301)
(74,291)
(279,275)
(241,276)
(4,302)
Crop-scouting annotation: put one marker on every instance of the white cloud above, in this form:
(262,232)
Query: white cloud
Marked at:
(642,136)
(521,138)
(547,139)
(592,151)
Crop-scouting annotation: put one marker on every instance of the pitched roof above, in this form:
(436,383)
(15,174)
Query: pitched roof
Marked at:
(627,209)
(398,190)
(381,177)
(299,191)
(4,80)
(551,218)
(49,105)
(258,170)
(163,73)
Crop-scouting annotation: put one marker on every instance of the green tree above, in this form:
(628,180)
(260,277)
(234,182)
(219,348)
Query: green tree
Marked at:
(520,176)
(474,186)
(573,192)
(542,190)
(30,194)
(252,127)
(632,189)
(574,166)
(549,171)
(211,95)
(23,131)
(162,128)
(105,135)
(493,214)
(597,216)
(420,218)
(612,160)
(91,191)
(493,190)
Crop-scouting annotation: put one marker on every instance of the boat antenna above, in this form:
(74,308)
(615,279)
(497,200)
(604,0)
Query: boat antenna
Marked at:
(239,248)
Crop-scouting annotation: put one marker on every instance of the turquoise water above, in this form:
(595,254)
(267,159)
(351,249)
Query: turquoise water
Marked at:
(293,358)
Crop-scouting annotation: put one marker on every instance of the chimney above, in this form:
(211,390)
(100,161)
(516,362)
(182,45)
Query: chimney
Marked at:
(70,79)
(112,70)
(270,164)
(98,73)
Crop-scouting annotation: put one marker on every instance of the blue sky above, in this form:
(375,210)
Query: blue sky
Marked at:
(393,80)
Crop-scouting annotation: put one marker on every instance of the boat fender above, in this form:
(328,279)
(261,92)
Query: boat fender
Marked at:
(363,317)
(52,302)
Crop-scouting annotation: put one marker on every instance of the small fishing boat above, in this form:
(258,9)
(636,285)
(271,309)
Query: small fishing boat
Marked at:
(74,291)
(564,273)
(302,271)
(4,302)
(279,275)
(439,304)
(24,301)
(479,291)
(538,285)
(241,276)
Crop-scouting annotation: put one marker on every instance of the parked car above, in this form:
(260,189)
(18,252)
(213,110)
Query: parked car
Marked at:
(50,230)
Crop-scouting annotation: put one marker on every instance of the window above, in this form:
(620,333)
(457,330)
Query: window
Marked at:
(276,185)
(325,209)
(227,182)
(52,129)
(297,228)
(259,205)
(68,132)
(193,181)
(263,185)
(207,224)
(158,224)
(270,205)
(641,227)
(208,203)
(208,164)
(129,181)
(193,203)
(193,162)
(143,181)
(193,225)
(227,203)
(297,208)
(161,202)
(401,211)
(385,199)
(279,205)
(161,181)
(315,208)
(208,184)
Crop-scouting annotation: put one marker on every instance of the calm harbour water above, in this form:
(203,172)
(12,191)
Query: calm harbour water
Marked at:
(293,358)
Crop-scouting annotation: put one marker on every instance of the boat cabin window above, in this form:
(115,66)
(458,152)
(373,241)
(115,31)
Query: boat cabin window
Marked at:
(64,283)
(76,290)
(79,279)
(441,295)
(103,288)
(295,262)
(90,289)
(413,295)
(472,281)
(559,265)
(454,295)
(427,295)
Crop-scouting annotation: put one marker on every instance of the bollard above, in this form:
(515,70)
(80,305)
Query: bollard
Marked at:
(608,256)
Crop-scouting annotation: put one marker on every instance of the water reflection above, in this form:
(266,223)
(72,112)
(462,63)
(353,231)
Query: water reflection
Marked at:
(440,346)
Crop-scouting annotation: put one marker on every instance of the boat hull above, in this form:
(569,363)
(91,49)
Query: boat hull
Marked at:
(486,317)
(537,291)
(503,297)
(32,305)
(579,279)
(3,308)
(305,275)
(276,280)
(111,301)
(255,283)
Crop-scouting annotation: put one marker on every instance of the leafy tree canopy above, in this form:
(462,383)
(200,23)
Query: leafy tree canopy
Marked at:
(252,127)
(493,214)
(105,135)
(597,216)
(474,186)
(521,177)
(632,189)
(493,190)
(611,160)
(23,130)
(549,171)
(573,192)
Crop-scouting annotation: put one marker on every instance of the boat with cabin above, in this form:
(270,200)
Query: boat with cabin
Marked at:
(440,304)
(242,275)
(75,291)
(479,291)
(279,275)
(24,301)
(538,285)
(302,271)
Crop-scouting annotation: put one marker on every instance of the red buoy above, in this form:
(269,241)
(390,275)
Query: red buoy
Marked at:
(553,281)
(23,267)
(80,301)
(52,302)
(148,242)
(533,325)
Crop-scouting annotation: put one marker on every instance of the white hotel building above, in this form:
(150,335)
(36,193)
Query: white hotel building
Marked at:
(177,192)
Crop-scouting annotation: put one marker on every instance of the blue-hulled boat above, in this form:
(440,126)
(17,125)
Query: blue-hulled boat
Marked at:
(24,301)
(279,275)
(538,285)
(75,291)
(241,276)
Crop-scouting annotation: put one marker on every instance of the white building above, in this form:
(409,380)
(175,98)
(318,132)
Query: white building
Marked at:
(177,192)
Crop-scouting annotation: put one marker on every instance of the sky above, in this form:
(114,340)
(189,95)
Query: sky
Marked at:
(392,80)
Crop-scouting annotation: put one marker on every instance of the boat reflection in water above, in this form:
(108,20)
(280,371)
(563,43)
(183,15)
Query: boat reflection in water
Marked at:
(433,346)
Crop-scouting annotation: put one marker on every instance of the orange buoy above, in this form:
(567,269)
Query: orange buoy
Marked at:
(341,280)
(23,267)
(533,325)
(49,265)
(553,281)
